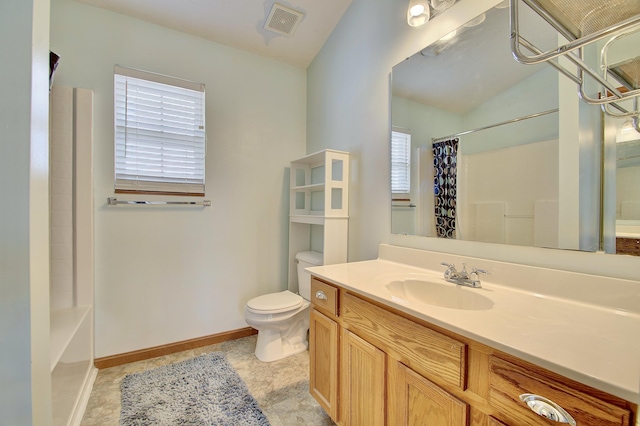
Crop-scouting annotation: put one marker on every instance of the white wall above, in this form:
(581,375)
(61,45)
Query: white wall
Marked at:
(537,93)
(25,381)
(348,109)
(170,274)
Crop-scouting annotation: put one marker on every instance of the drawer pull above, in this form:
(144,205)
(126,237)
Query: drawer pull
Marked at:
(547,408)
(320,295)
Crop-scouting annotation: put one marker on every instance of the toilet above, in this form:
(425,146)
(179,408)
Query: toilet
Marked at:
(282,319)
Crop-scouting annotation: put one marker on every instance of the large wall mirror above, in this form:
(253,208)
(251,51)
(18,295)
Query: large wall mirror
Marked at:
(487,149)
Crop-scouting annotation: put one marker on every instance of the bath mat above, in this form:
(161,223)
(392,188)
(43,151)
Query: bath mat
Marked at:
(204,390)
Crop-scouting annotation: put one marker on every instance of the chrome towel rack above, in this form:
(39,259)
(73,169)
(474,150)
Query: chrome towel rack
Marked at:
(583,27)
(112,201)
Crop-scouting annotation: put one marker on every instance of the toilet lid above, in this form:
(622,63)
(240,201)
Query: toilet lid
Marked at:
(275,302)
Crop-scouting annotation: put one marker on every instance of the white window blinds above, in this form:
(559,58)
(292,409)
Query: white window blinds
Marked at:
(400,162)
(160,138)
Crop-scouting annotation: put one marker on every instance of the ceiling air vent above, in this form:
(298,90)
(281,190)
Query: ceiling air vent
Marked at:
(283,20)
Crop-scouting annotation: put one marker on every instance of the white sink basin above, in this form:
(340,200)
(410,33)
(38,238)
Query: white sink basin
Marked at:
(435,293)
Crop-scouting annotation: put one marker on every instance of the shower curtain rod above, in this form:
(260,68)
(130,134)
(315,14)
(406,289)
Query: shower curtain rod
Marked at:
(513,120)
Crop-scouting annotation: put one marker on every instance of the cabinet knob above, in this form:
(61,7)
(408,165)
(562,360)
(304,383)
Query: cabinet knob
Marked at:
(320,295)
(546,408)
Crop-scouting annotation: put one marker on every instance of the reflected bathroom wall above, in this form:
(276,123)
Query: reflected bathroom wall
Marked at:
(508,175)
(627,199)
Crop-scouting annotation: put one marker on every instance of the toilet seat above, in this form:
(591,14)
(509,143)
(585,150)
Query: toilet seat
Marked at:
(274,303)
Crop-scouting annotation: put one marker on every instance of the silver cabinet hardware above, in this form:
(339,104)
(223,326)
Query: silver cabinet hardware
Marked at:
(546,408)
(320,295)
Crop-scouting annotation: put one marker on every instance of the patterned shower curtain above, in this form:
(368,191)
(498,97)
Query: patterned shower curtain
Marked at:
(445,185)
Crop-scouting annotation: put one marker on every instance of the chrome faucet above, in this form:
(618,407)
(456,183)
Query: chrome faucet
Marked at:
(469,279)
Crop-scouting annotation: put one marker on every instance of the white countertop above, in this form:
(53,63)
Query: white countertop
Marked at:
(595,345)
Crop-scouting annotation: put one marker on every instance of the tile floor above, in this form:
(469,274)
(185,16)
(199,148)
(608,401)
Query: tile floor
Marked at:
(281,387)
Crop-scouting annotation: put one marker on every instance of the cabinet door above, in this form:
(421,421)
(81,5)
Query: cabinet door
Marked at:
(323,361)
(362,388)
(417,401)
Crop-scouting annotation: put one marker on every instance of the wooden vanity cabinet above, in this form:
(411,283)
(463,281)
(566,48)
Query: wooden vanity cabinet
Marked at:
(372,365)
(323,361)
(414,400)
(323,346)
(362,382)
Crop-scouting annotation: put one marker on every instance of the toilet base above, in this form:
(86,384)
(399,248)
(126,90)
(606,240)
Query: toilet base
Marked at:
(269,346)
(273,345)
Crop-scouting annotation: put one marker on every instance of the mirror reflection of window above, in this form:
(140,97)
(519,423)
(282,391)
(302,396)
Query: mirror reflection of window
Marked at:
(400,163)
(403,219)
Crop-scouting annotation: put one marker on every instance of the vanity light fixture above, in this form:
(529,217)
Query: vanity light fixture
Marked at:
(442,4)
(418,13)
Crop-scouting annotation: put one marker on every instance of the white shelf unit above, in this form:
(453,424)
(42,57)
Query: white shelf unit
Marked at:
(319,208)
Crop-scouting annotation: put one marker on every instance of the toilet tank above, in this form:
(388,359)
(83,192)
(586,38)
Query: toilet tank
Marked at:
(306,259)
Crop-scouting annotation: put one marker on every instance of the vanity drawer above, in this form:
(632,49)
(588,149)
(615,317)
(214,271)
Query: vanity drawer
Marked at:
(508,381)
(426,351)
(324,297)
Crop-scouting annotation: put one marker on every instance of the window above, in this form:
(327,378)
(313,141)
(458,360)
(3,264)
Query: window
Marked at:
(160,138)
(400,162)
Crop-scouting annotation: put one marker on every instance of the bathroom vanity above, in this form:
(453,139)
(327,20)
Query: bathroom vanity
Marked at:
(392,343)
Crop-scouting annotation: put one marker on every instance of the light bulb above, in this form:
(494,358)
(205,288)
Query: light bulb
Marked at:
(416,10)
(418,13)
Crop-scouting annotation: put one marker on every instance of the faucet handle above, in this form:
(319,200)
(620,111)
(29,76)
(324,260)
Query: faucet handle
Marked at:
(479,271)
(451,268)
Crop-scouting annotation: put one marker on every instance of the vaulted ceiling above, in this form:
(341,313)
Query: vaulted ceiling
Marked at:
(240,23)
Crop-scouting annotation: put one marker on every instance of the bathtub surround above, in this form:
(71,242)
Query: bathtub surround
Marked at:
(200,390)
(71,248)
